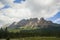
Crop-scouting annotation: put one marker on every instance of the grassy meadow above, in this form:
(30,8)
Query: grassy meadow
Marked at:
(35,38)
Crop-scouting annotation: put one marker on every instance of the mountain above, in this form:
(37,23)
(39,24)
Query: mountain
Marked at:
(33,23)
(13,25)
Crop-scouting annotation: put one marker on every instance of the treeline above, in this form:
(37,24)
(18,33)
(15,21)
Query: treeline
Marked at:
(47,32)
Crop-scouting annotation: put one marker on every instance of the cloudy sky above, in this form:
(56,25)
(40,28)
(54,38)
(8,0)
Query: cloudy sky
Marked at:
(15,10)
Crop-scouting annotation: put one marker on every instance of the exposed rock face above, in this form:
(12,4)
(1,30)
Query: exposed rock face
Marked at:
(33,22)
(27,22)
(12,25)
(43,23)
(22,23)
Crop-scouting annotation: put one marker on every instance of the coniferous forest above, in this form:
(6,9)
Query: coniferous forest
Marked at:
(30,28)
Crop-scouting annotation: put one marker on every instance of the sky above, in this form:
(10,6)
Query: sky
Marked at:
(16,10)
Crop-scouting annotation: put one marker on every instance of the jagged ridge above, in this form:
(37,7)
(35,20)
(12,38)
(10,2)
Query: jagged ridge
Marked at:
(34,22)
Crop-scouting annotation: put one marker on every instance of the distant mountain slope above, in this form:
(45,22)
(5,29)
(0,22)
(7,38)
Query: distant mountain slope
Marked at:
(34,23)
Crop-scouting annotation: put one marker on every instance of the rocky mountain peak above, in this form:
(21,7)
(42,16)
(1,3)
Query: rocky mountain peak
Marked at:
(33,22)
(42,19)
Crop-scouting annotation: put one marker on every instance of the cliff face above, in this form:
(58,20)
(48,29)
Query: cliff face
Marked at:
(43,23)
(33,22)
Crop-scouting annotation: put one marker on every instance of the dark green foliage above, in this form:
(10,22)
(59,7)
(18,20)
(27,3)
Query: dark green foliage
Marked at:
(43,32)
(8,38)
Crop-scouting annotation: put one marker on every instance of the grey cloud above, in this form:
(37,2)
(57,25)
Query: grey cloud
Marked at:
(50,10)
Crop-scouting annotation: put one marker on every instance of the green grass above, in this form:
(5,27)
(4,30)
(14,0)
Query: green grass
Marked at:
(21,28)
(40,38)
(37,38)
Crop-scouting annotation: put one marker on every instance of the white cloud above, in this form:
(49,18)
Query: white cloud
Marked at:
(57,20)
(3,19)
(30,8)
(12,4)
(1,5)
(42,2)
(43,8)
(10,15)
(17,13)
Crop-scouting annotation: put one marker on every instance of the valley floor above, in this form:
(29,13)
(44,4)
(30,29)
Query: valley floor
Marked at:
(36,38)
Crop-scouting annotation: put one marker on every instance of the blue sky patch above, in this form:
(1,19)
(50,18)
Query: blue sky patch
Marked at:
(6,6)
(55,17)
(18,1)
